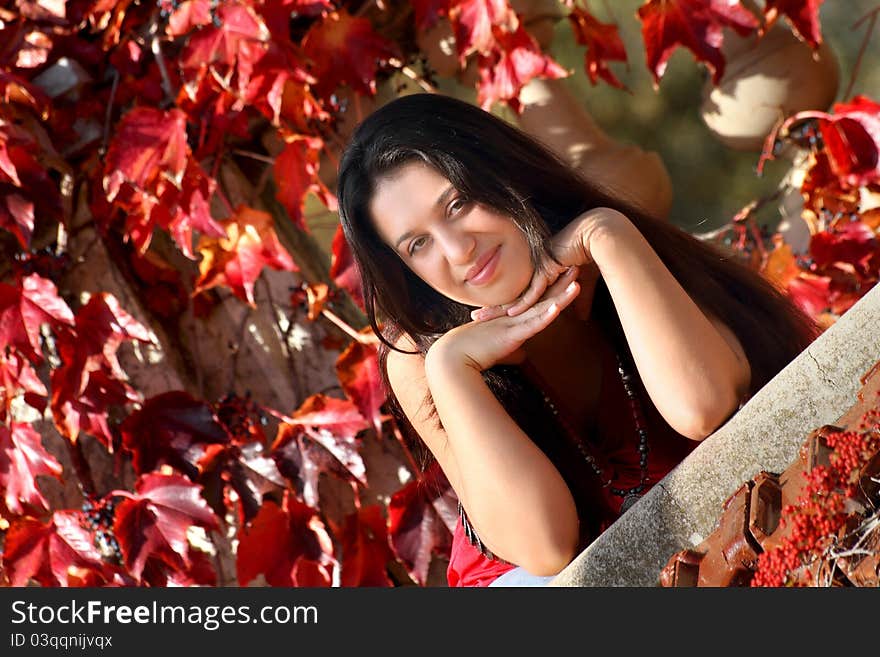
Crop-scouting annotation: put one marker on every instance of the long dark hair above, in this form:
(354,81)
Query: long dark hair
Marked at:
(499,166)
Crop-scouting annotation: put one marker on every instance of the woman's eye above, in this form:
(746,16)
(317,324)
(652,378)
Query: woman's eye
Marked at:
(416,244)
(456,206)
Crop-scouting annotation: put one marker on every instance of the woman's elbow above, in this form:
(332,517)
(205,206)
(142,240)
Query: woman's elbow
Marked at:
(553,556)
(549,564)
(702,420)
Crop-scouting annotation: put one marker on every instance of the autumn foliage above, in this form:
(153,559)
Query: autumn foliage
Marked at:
(122,118)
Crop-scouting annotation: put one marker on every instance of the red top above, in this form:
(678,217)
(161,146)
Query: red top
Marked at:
(617,445)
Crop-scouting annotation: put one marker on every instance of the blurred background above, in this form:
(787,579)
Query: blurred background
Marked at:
(711,180)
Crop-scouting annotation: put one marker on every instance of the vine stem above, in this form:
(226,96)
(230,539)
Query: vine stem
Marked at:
(222,196)
(364,8)
(743,215)
(417,471)
(82,468)
(330,154)
(412,75)
(156,49)
(347,329)
(254,156)
(238,344)
(109,114)
(872,21)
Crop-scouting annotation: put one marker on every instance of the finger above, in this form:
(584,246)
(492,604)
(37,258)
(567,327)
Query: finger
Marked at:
(566,277)
(544,288)
(488,312)
(542,314)
(528,298)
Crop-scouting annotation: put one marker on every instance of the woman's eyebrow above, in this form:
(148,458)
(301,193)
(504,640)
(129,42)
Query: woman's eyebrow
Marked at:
(440,202)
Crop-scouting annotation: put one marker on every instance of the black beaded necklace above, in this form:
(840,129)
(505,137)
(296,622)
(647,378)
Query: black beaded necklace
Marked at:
(630,495)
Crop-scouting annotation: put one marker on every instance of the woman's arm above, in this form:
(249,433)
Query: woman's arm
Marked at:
(515,498)
(692,365)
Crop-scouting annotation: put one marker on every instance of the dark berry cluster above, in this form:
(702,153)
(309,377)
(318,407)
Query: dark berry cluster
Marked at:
(241,416)
(98,518)
(46,262)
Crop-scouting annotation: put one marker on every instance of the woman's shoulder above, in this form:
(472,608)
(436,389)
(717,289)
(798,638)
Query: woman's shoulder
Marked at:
(404,367)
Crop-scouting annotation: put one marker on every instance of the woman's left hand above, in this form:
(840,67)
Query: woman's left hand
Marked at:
(570,247)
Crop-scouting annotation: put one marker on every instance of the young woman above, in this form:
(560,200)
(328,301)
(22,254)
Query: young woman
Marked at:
(556,351)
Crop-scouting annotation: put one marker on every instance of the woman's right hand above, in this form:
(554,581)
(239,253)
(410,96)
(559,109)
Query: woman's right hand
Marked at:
(482,344)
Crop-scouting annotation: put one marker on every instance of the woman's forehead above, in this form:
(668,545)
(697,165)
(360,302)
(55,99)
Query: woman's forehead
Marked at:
(407,196)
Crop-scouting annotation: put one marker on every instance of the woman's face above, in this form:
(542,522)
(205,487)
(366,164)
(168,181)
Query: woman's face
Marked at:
(462,249)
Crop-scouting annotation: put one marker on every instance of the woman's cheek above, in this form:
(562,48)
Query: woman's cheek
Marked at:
(519,280)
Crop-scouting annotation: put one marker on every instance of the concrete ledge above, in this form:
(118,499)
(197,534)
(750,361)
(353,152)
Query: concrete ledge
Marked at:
(682,509)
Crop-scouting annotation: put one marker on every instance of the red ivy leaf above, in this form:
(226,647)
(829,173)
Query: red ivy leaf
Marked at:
(237,260)
(302,111)
(852,139)
(365,548)
(101,328)
(302,462)
(14,89)
(280,88)
(148,145)
(696,25)
(72,548)
(17,216)
(358,371)
(419,519)
(149,174)
(296,174)
(188,15)
(516,59)
(314,297)
(43,10)
(172,428)
(26,552)
(8,170)
(16,375)
(199,572)
(277,14)
(90,379)
(153,521)
(33,50)
(252,474)
(823,189)
(289,545)
(331,423)
(23,309)
(343,270)
(346,50)
(233,47)
(162,284)
(855,244)
(472,22)
(802,14)
(811,293)
(58,553)
(27,189)
(603,45)
(22,459)
(76,409)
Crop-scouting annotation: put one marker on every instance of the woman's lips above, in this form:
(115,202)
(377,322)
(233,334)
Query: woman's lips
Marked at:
(483,271)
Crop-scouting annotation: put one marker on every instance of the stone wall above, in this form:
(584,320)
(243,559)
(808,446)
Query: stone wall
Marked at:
(684,508)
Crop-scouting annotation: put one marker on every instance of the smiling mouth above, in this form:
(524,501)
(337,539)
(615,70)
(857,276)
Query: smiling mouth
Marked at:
(484,268)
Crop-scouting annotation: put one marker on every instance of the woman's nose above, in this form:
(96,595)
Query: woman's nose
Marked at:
(457,245)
